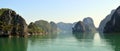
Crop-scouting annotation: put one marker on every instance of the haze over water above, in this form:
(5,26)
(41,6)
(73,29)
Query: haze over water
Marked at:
(62,42)
(57,11)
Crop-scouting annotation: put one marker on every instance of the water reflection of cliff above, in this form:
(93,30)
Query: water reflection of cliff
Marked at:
(85,39)
(42,40)
(113,40)
(13,44)
(84,35)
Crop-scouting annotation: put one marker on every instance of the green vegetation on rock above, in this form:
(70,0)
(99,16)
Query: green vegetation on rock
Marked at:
(2,10)
(53,27)
(11,23)
(33,28)
(44,25)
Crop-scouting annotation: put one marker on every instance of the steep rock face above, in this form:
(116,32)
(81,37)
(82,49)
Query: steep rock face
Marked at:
(113,26)
(53,27)
(33,29)
(79,27)
(12,24)
(89,25)
(104,21)
(65,27)
(44,25)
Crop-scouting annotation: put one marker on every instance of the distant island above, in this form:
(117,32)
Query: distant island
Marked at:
(12,24)
(86,26)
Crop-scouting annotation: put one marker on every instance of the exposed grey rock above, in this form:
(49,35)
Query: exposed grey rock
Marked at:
(53,27)
(104,21)
(12,24)
(89,24)
(113,25)
(79,27)
(44,25)
(65,27)
(33,29)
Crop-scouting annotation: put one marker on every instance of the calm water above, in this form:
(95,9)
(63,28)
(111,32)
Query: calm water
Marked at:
(62,42)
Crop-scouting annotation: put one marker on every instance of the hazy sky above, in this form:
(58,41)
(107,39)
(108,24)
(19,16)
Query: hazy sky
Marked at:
(61,10)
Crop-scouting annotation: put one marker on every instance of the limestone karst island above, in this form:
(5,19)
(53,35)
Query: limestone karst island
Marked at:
(59,25)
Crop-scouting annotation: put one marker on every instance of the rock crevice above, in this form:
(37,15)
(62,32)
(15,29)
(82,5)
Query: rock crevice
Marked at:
(12,24)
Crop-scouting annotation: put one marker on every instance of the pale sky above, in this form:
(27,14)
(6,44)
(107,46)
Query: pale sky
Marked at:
(68,11)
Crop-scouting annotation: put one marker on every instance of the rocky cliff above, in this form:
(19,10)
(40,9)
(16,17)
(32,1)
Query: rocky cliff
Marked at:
(111,23)
(64,27)
(104,21)
(89,24)
(86,26)
(53,27)
(33,29)
(113,26)
(79,27)
(44,25)
(12,24)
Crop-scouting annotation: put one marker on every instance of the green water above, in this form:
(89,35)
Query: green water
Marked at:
(62,42)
